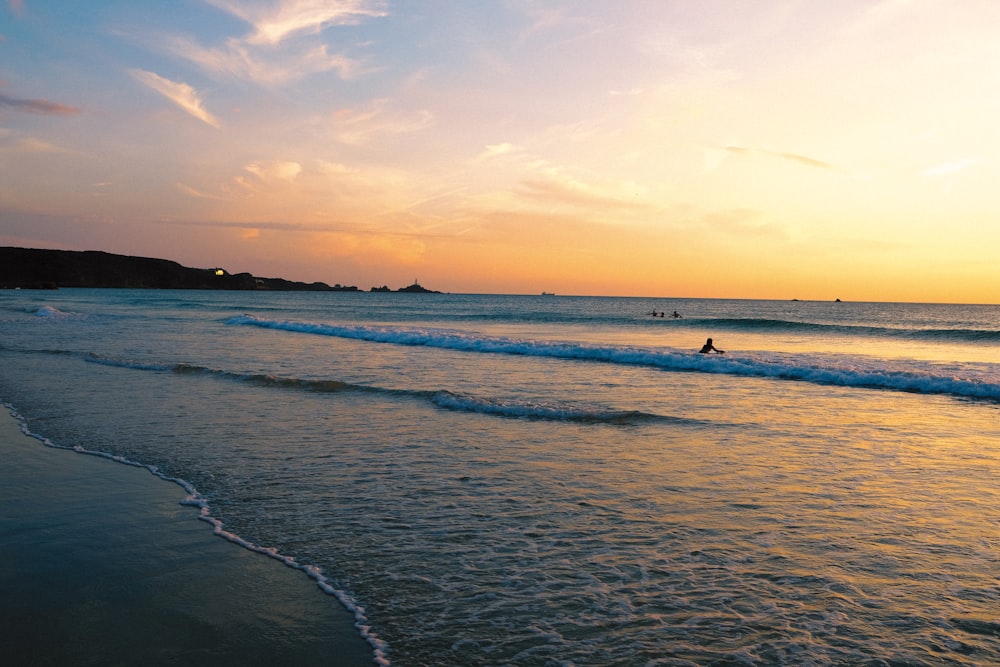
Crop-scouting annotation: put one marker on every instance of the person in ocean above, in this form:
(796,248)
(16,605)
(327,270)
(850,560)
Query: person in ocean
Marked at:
(676,315)
(708,348)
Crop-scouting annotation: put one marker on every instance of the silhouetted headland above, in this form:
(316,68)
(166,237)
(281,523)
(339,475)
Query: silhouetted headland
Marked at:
(31,268)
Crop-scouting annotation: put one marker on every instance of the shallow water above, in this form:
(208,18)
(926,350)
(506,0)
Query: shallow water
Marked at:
(550,480)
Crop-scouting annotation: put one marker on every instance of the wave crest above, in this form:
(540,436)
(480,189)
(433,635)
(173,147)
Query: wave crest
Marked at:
(544,411)
(495,406)
(968,381)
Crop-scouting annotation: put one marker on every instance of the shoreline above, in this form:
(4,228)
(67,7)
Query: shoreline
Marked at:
(101,563)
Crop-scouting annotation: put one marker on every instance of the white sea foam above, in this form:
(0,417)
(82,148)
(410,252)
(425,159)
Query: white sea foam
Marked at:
(968,380)
(51,311)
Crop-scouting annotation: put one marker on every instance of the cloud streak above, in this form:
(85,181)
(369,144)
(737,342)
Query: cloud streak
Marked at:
(781,155)
(283,44)
(950,168)
(41,107)
(498,150)
(362,126)
(273,24)
(554,186)
(243,61)
(29,145)
(181,94)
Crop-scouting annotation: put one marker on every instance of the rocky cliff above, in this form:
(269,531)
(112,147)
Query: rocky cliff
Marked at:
(51,269)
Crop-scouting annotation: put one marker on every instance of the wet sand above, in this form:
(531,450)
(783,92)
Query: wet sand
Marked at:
(101,565)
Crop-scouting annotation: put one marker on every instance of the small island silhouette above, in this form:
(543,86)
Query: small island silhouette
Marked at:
(417,288)
(33,268)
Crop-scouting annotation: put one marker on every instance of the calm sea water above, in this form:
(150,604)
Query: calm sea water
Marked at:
(492,480)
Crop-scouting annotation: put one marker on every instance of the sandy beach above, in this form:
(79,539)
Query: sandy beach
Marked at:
(101,565)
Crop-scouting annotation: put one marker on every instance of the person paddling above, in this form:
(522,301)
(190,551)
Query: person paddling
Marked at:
(708,348)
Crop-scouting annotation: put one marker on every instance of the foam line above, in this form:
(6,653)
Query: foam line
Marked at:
(195,499)
(840,370)
(447,400)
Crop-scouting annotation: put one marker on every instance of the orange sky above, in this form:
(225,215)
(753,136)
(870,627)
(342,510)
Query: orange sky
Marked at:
(773,149)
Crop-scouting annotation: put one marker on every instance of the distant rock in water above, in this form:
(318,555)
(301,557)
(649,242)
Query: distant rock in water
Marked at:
(418,289)
(31,268)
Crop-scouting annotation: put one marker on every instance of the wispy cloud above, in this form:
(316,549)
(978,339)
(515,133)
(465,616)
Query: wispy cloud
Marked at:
(631,92)
(742,222)
(553,185)
(557,26)
(801,159)
(283,44)
(274,170)
(496,150)
(29,145)
(949,168)
(804,160)
(240,60)
(275,22)
(42,107)
(181,94)
(194,192)
(360,126)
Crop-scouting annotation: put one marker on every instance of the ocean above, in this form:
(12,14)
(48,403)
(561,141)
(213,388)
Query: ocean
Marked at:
(550,480)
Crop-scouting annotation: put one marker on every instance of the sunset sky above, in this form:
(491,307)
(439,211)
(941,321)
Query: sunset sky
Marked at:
(712,148)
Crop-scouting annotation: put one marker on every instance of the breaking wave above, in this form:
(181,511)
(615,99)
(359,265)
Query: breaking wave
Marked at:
(978,381)
(444,399)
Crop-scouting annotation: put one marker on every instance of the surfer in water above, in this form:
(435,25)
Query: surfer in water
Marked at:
(708,348)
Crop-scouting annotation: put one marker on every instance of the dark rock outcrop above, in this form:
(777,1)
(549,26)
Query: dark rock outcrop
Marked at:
(49,269)
(417,288)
